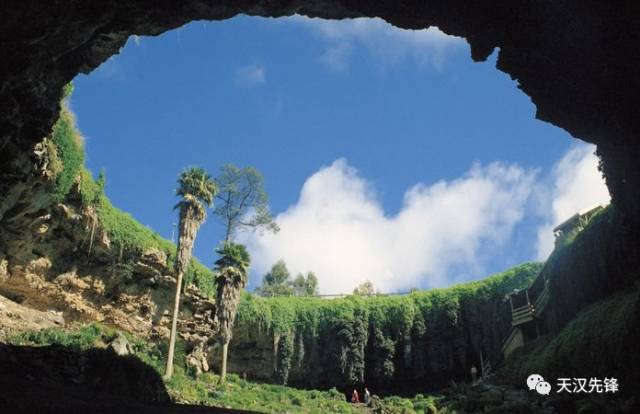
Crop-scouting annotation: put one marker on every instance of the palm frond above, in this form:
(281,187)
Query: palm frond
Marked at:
(233,255)
(197,186)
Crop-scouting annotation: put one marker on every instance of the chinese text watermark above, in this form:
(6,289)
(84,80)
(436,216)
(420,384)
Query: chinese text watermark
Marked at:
(573,385)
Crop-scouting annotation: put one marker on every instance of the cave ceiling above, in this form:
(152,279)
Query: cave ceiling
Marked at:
(577,60)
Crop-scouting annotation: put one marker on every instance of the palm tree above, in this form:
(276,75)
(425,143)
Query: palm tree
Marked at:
(232,269)
(197,189)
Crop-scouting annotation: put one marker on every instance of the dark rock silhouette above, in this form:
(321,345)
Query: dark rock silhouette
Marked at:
(55,379)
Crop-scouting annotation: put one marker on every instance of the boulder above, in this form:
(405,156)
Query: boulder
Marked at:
(155,258)
(197,360)
(121,345)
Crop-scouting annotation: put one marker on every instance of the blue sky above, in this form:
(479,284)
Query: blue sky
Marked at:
(389,132)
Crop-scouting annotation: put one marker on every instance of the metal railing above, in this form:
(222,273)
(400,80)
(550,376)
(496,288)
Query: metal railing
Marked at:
(522,314)
(341,295)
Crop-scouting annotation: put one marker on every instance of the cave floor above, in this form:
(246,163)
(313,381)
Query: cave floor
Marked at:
(23,396)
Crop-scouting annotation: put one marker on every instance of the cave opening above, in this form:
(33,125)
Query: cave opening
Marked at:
(389,112)
(576,62)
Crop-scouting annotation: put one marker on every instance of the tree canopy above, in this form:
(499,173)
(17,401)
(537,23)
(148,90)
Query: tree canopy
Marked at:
(197,190)
(242,201)
(305,286)
(233,255)
(365,289)
(278,282)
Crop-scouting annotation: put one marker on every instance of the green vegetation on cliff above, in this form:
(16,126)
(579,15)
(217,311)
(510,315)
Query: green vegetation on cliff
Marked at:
(127,236)
(592,317)
(185,387)
(592,264)
(281,315)
(386,341)
(594,344)
(66,154)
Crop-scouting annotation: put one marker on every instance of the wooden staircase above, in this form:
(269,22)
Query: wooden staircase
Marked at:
(530,311)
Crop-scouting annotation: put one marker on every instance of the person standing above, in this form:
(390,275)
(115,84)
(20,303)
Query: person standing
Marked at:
(367,396)
(355,398)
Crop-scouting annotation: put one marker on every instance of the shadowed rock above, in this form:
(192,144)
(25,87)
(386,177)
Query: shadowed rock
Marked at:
(55,379)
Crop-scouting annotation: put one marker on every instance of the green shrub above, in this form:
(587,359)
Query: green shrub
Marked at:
(83,338)
(68,157)
(343,341)
(283,359)
(127,235)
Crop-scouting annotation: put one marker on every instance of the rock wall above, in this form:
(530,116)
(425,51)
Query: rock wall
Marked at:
(395,345)
(52,271)
(15,318)
(591,325)
(418,361)
(64,262)
(602,259)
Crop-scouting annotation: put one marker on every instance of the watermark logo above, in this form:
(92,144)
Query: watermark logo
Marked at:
(587,385)
(543,388)
(537,382)
(573,385)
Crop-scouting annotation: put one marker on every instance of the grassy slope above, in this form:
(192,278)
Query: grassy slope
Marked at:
(600,339)
(599,342)
(67,164)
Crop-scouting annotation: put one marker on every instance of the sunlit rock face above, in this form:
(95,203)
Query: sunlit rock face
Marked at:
(578,61)
(46,267)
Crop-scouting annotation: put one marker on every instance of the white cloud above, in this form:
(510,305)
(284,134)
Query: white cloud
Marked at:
(385,43)
(577,184)
(339,230)
(250,75)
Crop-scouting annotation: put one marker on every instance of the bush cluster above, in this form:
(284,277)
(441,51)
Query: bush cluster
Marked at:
(381,339)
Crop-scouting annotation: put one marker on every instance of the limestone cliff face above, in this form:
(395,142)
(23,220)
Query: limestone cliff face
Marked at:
(63,261)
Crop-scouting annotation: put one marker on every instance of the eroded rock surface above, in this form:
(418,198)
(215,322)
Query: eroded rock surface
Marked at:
(15,317)
(50,270)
